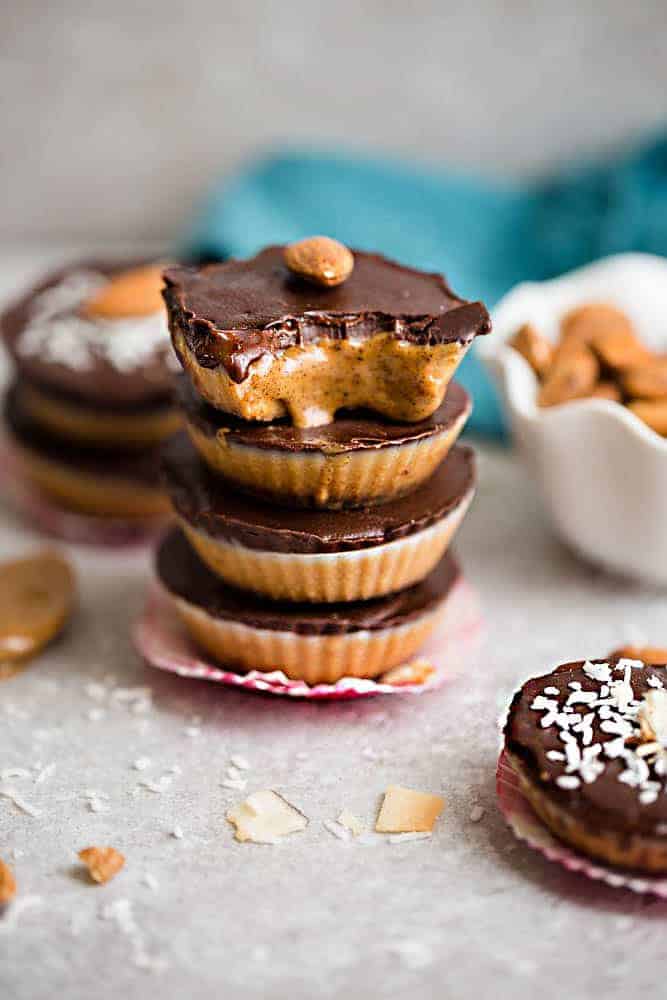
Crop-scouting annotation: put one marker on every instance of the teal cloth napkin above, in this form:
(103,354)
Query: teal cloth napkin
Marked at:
(484,236)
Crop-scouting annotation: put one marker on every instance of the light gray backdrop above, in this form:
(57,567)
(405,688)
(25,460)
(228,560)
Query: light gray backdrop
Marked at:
(115,116)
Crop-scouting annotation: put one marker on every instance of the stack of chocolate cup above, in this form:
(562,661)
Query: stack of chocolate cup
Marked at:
(92,398)
(319,484)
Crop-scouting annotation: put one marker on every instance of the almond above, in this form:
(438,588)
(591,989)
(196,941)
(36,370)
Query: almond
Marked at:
(607,390)
(137,292)
(648,381)
(620,349)
(102,862)
(7,884)
(652,716)
(653,655)
(535,348)
(595,319)
(415,672)
(321,260)
(573,374)
(652,412)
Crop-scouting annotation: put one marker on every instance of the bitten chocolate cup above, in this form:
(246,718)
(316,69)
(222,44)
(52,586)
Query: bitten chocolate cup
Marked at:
(587,743)
(123,484)
(356,460)
(316,555)
(261,343)
(316,644)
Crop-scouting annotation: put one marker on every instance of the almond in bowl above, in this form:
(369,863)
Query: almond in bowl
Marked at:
(598,356)
(581,361)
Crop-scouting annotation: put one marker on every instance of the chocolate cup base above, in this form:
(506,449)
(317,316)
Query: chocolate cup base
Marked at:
(70,420)
(89,480)
(356,461)
(79,490)
(212,508)
(333,576)
(636,852)
(315,643)
(315,659)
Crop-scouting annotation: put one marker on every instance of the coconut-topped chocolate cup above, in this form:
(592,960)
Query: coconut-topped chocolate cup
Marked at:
(589,744)
(314,643)
(317,555)
(358,459)
(93,357)
(262,342)
(95,332)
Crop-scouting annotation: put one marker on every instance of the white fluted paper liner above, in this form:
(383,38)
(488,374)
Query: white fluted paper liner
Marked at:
(528,827)
(163,642)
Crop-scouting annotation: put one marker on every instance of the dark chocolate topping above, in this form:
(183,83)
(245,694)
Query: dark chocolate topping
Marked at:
(138,465)
(230,314)
(605,803)
(356,430)
(184,574)
(214,508)
(102,383)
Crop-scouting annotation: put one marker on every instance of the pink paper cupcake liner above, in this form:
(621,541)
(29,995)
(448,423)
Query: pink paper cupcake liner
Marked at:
(163,643)
(71,526)
(526,825)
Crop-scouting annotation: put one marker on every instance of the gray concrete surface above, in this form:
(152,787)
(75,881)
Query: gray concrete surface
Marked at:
(115,117)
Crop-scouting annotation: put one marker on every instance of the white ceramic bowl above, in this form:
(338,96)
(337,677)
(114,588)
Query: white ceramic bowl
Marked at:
(601,471)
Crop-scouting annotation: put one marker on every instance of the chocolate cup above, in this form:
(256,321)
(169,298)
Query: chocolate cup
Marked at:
(318,644)
(233,313)
(104,483)
(358,460)
(68,419)
(261,343)
(604,818)
(314,555)
(101,385)
(209,505)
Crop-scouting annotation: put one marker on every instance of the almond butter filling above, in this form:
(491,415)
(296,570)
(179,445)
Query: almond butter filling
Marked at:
(82,491)
(80,423)
(310,384)
(327,480)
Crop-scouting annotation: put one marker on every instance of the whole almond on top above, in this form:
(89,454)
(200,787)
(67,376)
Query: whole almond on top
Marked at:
(7,884)
(102,862)
(137,292)
(321,260)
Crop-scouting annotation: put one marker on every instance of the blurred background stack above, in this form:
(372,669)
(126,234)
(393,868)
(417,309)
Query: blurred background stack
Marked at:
(117,122)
